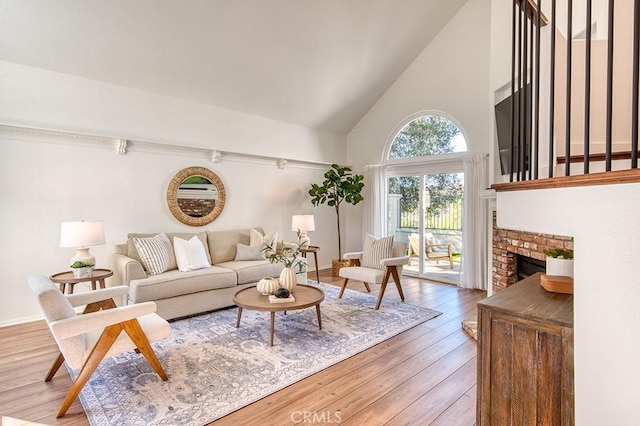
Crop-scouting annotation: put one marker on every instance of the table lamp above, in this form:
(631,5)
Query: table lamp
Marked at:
(81,235)
(303,223)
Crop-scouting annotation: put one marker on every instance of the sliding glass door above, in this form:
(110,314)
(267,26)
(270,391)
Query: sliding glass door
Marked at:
(425,210)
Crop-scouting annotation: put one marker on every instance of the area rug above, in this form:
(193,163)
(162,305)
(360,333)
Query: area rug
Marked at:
(215,368)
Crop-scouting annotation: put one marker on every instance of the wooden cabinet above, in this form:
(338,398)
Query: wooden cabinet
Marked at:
(525,357)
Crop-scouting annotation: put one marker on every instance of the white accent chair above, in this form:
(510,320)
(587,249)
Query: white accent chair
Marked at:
(84,340)
(391,267)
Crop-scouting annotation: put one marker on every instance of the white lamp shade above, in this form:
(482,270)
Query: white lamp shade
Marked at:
(303,222)
(82,234)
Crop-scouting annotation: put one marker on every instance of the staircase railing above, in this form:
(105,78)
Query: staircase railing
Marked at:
(549,76)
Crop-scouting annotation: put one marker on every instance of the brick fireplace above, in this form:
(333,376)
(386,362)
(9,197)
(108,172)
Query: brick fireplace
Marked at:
(508,243)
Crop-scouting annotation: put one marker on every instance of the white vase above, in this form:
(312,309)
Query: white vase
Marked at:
(560,267)
(288,279)
(267,286)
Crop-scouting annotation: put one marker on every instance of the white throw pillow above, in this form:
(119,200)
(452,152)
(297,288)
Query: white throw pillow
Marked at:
(375,250)
(270,239)
(190,255)
(154,253)
(244,252)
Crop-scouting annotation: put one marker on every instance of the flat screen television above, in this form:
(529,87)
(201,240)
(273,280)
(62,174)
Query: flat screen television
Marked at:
(503,127)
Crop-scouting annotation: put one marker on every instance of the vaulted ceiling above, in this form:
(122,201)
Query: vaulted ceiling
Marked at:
(316,63)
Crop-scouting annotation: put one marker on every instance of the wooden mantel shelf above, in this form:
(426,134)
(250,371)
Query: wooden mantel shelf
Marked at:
(603,178)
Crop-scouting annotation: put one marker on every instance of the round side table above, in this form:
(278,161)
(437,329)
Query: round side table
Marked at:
(97,277)
(314,250)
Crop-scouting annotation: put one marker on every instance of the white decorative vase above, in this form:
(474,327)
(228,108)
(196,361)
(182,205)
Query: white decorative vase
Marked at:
(288,279)
(560,267)
(268,286)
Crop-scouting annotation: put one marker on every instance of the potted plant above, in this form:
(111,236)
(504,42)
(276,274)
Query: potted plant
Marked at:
(339,185)
(559,262)
(81,269)
(289,256)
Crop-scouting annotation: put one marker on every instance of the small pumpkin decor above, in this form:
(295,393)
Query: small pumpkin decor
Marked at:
(268,286)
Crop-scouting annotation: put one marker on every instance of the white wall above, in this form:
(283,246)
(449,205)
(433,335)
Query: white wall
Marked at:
(43,184)
(451,75)
(604,223)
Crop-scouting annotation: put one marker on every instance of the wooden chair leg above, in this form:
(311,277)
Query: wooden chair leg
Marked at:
(109,335)
(344,285)
(135,332)
(396,279)
(383,287)
(55,367)
(366,285)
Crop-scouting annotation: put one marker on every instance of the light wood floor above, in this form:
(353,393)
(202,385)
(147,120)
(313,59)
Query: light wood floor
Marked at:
(424,376)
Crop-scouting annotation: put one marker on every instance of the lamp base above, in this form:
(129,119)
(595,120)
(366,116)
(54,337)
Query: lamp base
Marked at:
(83,255)
(304,241)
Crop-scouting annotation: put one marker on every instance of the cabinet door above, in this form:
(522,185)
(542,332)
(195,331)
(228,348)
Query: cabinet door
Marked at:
(528,373)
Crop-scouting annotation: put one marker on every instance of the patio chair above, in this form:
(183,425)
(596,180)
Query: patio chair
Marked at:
(433,250)
(375,268)
(85,340)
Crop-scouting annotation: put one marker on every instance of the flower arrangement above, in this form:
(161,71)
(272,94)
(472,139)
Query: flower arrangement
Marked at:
(289,255)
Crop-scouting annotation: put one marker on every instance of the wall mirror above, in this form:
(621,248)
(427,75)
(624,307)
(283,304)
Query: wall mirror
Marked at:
(196,196)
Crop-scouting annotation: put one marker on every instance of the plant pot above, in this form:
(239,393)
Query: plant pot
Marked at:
(84,272)
(560,267)
(336,265)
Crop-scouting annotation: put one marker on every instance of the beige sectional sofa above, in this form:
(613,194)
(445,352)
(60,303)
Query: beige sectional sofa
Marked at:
(178,293)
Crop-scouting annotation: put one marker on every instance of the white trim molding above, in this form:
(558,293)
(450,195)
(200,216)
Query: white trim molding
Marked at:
(122,146)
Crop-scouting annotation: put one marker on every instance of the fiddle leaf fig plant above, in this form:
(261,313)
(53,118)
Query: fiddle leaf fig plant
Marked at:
(339,185)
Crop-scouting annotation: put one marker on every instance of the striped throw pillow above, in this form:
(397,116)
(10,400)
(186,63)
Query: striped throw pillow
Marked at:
(375,250)
(154,253)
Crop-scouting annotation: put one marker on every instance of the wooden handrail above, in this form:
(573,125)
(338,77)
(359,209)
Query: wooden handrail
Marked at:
(593,179)
(579,158)
(532,9)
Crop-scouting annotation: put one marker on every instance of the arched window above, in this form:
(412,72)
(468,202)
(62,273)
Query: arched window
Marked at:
(425,193)
(427,135)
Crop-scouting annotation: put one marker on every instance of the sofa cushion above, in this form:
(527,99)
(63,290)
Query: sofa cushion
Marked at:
(175,283)
(253,270)
(222,244)
(250,252)
(190,255)
(155,253)
(258,239)
(133,253)
(375,250)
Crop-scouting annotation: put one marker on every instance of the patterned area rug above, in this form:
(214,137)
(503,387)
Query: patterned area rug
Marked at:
(215,368)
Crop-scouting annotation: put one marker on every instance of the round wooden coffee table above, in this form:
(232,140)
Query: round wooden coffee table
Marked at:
(306,296)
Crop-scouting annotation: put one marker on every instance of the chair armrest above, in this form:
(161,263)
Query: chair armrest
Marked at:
(79,299)
(395,261)
(352,255)
(125,269)
(77,325)
(439,245)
